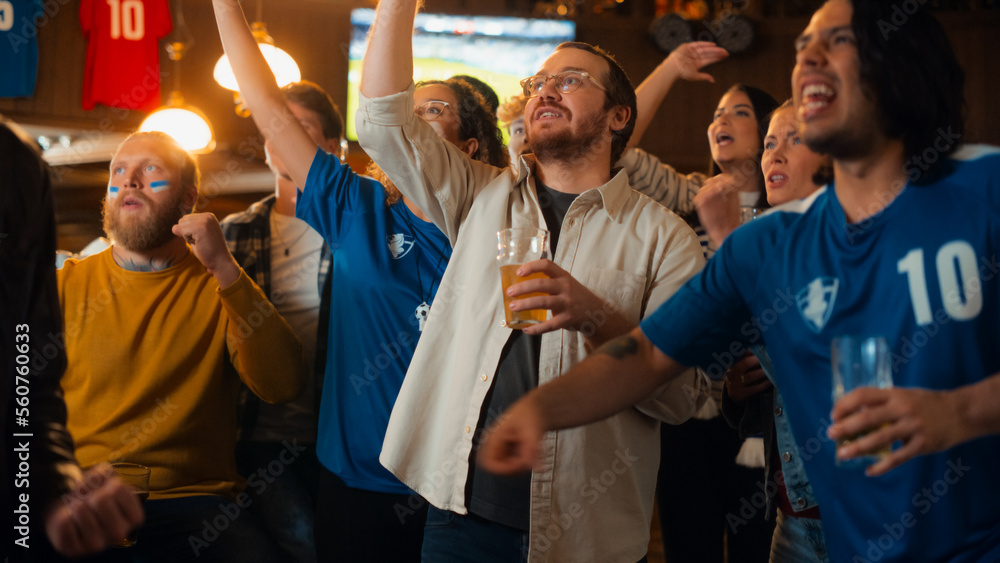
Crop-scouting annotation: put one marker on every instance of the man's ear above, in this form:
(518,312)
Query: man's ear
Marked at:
(619,117)
(190,198)
(469,146)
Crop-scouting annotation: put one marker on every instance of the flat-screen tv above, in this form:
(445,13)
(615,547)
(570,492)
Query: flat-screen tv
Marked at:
(500,51)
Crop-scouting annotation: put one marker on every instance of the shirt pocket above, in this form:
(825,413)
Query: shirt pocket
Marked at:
(623,290)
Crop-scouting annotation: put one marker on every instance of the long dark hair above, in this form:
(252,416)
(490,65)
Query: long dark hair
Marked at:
(917,82)
(763,106)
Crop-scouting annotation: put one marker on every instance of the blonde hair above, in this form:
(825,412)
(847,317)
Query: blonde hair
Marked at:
(185,161)
(512,110)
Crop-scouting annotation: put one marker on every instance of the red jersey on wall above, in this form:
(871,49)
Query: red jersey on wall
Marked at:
(123,57)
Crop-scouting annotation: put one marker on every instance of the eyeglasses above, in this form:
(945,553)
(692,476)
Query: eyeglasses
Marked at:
(431,110)
(565,82)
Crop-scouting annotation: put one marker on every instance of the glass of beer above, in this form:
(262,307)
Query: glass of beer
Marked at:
(136,477)
(748,213)
(515,248)
(860,361)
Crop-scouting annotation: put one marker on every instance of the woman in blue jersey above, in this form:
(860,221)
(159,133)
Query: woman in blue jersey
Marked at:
(750,403)
(388,260)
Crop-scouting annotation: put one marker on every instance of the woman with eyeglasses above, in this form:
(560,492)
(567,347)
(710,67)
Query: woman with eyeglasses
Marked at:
(388,260)
(460,115)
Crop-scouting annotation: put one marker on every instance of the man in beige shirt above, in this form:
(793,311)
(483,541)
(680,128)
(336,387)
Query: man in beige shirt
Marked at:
(616,255)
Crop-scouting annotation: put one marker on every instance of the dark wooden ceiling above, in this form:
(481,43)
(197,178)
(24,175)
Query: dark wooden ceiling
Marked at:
(316,33)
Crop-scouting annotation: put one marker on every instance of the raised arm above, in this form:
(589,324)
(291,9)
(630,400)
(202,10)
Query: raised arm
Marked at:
(686,62)
(616,376)
(267,104)
(262,347)
(651,177)
(388,64)
(431,172)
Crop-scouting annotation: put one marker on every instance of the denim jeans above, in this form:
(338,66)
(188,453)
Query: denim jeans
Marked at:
(454,538)
(355,525)
(282,495)
(798,540)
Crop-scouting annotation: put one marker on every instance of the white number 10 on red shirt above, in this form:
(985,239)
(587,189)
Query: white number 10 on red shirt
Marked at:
(127,19)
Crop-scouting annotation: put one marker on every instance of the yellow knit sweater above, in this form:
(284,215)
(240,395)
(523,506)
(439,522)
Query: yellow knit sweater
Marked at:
(148,379)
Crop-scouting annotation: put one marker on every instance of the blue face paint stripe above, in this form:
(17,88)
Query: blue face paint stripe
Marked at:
(112,191)
(159,185)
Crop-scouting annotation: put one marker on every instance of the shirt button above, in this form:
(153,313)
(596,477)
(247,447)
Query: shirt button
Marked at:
(484,377)
(778,411)
(785,457)
(468,429)
(800,503)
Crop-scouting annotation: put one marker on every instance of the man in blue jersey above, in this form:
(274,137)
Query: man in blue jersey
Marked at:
(903,245)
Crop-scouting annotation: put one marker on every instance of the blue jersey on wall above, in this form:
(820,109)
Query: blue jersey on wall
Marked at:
(387,267)
(924,274)
(18,47)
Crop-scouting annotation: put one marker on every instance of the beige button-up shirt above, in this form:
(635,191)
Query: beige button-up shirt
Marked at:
(592,493)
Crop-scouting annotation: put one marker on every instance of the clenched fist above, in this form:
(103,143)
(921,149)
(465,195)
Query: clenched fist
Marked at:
(203,233)
(97,513)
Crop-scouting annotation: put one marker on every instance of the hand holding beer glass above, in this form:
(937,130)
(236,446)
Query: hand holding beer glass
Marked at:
(516,247)
(860,362)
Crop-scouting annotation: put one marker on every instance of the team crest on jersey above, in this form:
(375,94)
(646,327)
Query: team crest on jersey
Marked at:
(399,245)
(815,302)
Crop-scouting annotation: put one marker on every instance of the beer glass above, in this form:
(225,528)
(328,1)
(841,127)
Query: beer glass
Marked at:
(516,247)
(859,361)
(748,213)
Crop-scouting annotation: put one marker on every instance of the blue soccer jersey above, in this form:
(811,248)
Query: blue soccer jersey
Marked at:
(924,274)
(18,47)
(387,266)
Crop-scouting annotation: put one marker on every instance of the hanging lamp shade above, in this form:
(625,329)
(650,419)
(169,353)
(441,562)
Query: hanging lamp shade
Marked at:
(283,66)
(186,124)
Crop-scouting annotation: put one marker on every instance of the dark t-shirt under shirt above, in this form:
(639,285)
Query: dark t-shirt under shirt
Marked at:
(506,500)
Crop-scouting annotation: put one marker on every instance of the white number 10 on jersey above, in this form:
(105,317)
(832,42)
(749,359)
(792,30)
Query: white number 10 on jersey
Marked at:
(6,15)
(127,19)
(963,298)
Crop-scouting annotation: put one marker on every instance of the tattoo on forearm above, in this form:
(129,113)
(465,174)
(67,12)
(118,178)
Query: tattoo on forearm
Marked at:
(619,347)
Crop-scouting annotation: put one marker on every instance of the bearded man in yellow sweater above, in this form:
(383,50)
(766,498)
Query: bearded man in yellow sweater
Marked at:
(159,330)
